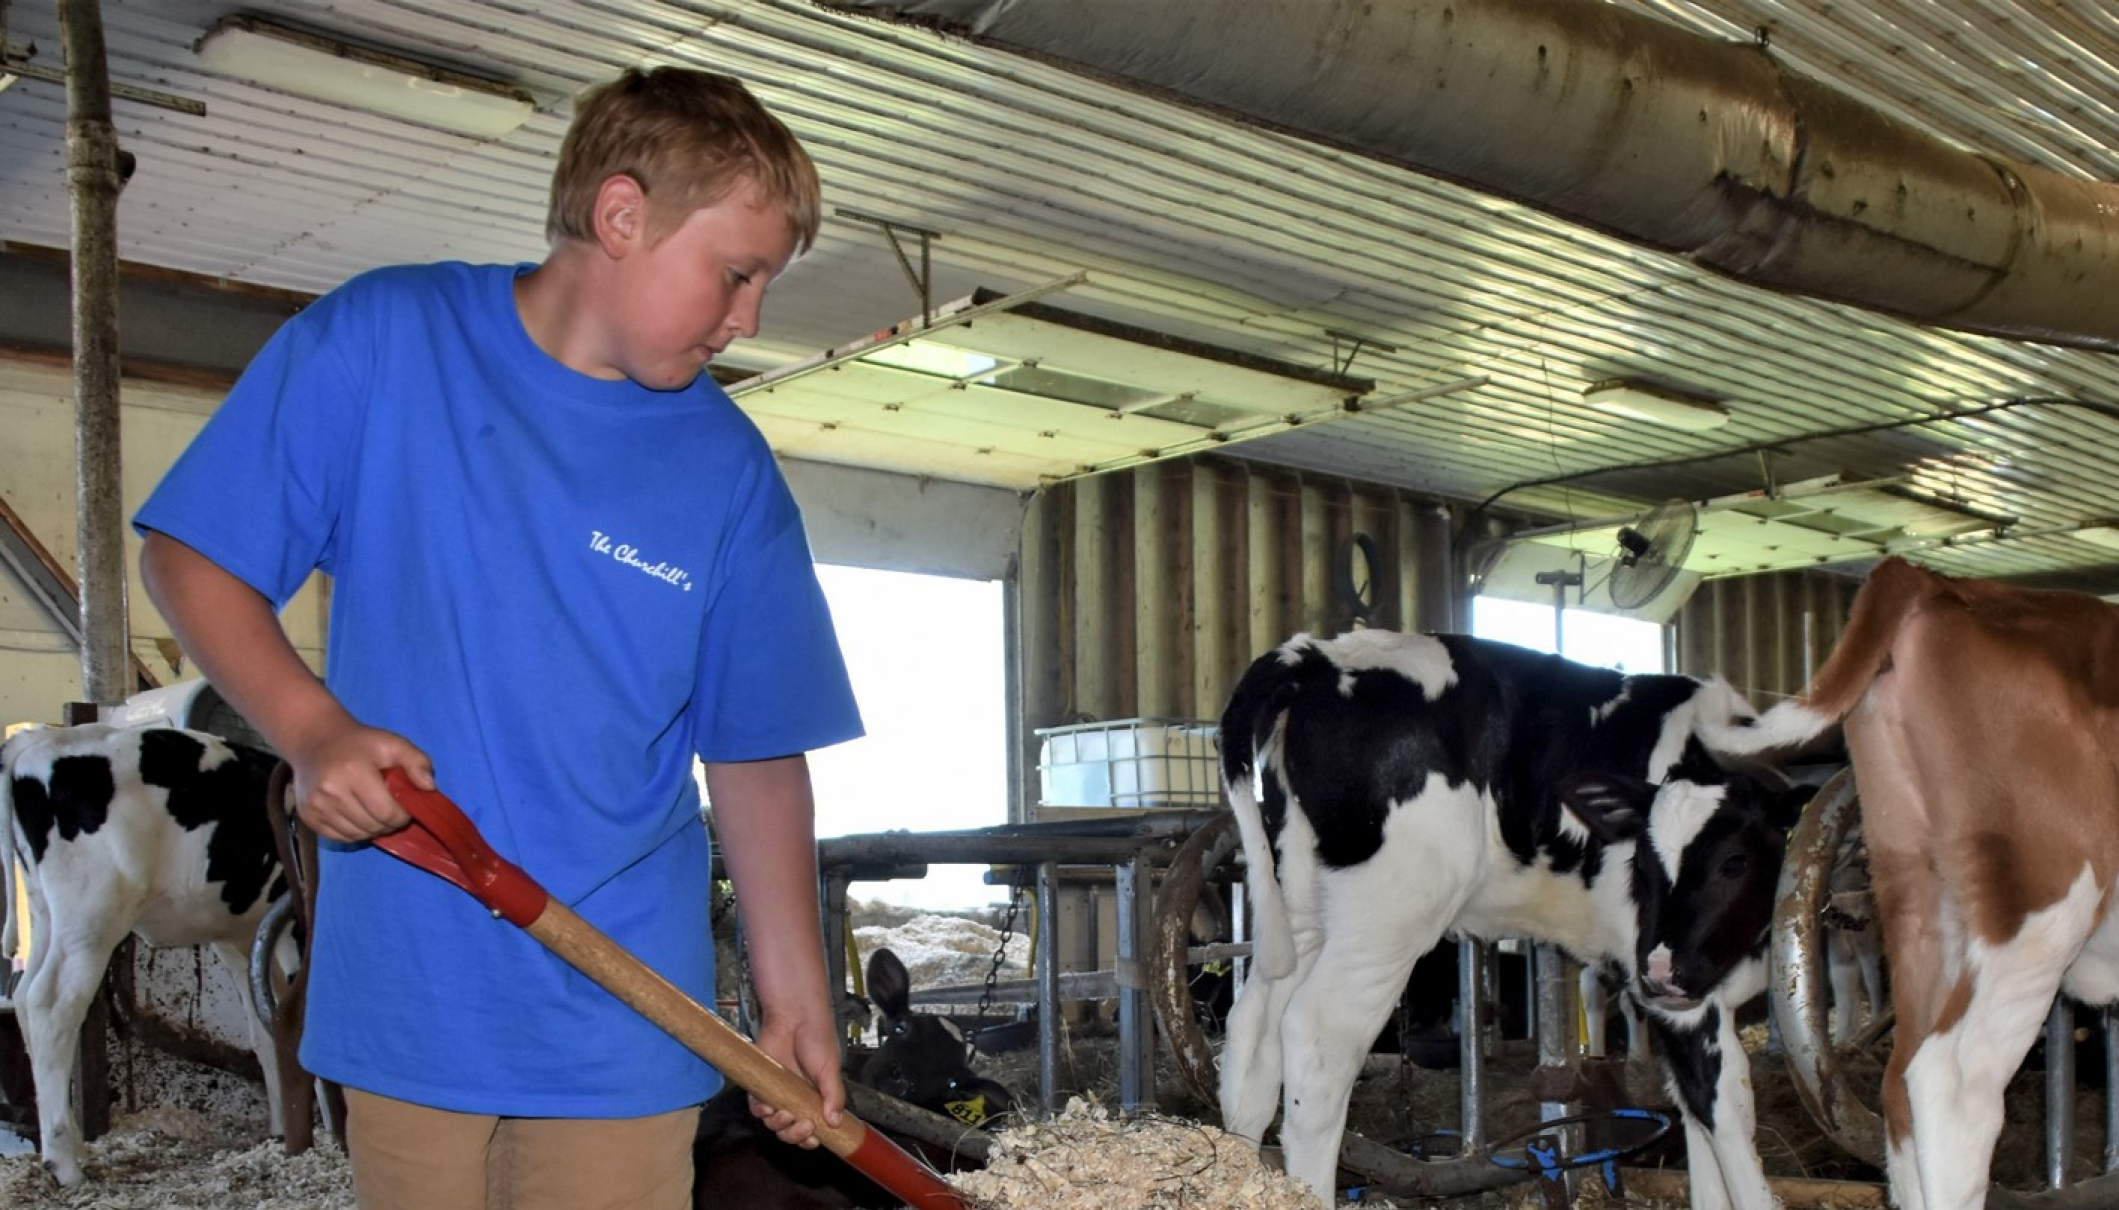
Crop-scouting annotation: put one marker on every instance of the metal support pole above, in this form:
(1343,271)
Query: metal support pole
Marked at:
(1555,1012)
(1472,1027)
(833,918)
(93,181)
(1136,1024)
(2111,1097)
(1048,993)
(1556,1037)
(2059,1092)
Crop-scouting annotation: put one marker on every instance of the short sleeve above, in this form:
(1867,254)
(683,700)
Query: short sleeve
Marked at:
(771,679)
(259,490)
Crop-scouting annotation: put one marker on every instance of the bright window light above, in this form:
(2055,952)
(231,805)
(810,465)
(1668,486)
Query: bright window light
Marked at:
(927,656)
(1600,639)
(927,357)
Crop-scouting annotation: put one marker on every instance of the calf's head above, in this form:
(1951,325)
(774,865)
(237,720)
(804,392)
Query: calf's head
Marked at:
(1708,846)
(924,1059)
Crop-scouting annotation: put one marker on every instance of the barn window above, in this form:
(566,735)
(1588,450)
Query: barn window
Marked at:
(927,656)
(1603,639)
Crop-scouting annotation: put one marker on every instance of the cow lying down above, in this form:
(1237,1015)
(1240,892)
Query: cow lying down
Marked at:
(157,832)
(1391,788)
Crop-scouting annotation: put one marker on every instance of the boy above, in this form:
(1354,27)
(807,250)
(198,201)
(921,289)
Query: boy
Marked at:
(563,564)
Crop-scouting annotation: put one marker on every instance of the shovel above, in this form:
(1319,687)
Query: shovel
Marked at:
(441,841)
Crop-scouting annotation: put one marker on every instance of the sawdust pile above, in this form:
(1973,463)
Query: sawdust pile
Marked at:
(1089,1159)
(942,951)
(175,1160)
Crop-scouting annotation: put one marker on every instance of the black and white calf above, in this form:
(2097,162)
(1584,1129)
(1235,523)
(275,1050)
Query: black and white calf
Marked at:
(1392,787)
(161,833)
(921,1060)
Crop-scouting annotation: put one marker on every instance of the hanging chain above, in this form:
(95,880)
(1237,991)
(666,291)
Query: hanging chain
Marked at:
(993,970)
(1405,1064)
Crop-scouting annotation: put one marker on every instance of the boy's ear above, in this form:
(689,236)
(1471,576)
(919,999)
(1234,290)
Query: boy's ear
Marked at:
(621,214)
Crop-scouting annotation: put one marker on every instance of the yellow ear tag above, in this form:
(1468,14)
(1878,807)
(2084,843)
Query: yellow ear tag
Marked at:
(971,1112)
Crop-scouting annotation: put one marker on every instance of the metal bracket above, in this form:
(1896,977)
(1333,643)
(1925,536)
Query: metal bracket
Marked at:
(922,279)
(1353,345)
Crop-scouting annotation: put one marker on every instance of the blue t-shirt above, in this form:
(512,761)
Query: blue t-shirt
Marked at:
(561,588)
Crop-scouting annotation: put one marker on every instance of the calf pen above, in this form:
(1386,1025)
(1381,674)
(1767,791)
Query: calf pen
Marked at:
(192,1153)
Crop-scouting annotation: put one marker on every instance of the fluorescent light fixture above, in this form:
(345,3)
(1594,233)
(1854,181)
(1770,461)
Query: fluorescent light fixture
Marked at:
(1654,405)
(324,69)
(2102,533)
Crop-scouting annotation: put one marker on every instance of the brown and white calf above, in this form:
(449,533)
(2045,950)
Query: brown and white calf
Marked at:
(1983,725)
(157,832)
(1391,788)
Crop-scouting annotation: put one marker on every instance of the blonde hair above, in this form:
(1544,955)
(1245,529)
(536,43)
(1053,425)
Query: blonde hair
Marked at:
(689,138)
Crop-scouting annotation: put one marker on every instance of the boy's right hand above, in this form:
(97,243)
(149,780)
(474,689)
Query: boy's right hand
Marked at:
(338,780)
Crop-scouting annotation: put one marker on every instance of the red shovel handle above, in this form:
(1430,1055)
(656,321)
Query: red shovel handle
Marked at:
(442,841)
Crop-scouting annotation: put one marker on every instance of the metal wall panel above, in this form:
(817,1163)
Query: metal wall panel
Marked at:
(1146,593)
(1766,634)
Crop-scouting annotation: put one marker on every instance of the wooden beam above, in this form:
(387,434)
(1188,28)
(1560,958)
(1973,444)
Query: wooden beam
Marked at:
(48,581)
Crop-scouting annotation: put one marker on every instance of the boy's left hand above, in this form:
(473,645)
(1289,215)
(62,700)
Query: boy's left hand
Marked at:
(811,1048)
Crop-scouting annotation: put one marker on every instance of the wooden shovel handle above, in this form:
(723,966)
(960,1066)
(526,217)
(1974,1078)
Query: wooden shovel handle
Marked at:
(748,1067)
(442,841)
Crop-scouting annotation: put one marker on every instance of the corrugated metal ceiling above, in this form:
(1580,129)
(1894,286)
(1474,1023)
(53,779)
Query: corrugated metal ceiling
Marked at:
(1203,228)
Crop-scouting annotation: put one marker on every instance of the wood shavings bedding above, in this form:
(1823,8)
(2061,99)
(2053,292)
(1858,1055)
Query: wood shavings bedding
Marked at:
(1089,1159)
(174,1160)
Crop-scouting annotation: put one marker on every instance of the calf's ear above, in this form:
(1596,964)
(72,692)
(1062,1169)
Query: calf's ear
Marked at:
(889,985)
(1785,803)
(1612,806)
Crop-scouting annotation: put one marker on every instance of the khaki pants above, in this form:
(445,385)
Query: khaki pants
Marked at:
(410,1157)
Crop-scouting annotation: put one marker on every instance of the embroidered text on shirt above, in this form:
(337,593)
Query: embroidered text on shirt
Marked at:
(602,544)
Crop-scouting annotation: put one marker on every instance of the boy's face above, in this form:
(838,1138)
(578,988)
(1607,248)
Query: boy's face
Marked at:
(685,298)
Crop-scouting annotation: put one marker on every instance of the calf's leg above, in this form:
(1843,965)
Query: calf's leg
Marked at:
(1251,1056)
(1710,1077)
(1250,1059)
(65,970)
(1843,972)
(1374,925)
(1325,1034)
(235,959)
(1953,1075)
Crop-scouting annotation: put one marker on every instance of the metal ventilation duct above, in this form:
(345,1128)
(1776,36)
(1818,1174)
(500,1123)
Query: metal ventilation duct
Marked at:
(1704,148)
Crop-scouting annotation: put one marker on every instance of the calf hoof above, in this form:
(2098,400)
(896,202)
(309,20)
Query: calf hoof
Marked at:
(67,1173)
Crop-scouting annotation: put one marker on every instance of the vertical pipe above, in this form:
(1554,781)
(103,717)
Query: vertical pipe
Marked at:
(1557,1037)
(1555,1013)
(1472,1026)
(1015,695)
(2111,1090)
(1048,993)
(832,908)
(2059,1092)
(1136,1026)
(93,181)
